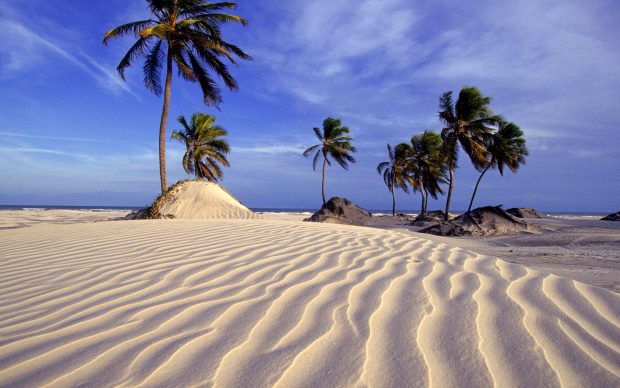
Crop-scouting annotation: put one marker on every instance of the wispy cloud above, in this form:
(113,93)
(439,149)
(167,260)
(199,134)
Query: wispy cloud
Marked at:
(25,49)
(270,149)
(384,63)
(45,137)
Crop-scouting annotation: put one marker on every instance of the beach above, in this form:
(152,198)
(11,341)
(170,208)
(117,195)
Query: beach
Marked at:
(279,302)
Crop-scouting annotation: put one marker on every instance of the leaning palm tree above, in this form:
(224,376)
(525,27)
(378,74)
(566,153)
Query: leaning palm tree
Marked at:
(394,172)
(334,143)
(427,166)
(186,33)
(205,149)
(466,124)
(507,149)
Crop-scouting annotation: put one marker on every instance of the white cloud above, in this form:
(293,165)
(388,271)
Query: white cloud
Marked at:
(45,137)
(24,49)
(550,67)
(271,149)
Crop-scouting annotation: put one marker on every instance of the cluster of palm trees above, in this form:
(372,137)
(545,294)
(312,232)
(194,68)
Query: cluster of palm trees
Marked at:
(428,161)
(185,34)
(418,164)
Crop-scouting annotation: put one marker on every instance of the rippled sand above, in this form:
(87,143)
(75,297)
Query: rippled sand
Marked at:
(263,302)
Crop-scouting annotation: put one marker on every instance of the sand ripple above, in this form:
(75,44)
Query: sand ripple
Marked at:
(272,303)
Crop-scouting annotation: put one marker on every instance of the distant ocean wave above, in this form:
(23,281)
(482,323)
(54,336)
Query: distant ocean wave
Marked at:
(39,208)
(299,211)
(576,216)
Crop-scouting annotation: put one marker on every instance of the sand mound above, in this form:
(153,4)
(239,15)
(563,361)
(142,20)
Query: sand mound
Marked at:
(523,212)
(483,221)
(288,304)
(612,217)
(195,199)
(341,211)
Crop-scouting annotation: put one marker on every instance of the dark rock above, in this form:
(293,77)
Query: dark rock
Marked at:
(341,211)
(612,217)
(483,221)
(433,216)
(523,212)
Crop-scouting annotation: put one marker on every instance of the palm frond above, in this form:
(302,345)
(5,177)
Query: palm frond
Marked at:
(310,150)
(315,160)
(135,51)
(152,68)
(318,134)
(210,91)
(124,29)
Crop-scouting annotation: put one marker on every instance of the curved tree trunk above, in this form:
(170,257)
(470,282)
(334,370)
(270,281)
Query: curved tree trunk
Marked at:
(323,183)
(422,207)
(393,199)
(162,124)
(446,213)
(477,183)
(426,204)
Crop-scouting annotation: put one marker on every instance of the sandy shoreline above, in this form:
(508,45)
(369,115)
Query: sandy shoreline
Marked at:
(284,303)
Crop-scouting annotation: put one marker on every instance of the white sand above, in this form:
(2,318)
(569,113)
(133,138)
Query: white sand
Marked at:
(263,302)
(11,219)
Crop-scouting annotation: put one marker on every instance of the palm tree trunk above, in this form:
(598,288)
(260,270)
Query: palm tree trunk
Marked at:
(393,200)
(323,183)
(162,124)
(426,204)
(446,214)
(477,183)
(422,208)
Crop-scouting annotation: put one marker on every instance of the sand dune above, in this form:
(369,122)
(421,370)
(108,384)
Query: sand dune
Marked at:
(196,199)
(275,303)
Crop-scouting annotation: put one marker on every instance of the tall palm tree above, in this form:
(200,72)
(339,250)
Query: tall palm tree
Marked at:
(427,166)
(185,33)
(507,149)
(204,147)
(394,172)
(334,143)
(466,124)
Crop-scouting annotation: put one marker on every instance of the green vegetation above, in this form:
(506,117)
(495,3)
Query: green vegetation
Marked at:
(394,172)
(506,148)
(205,149)
(467,123)
(186,34)
(430,159)
(334,143)
(427,166)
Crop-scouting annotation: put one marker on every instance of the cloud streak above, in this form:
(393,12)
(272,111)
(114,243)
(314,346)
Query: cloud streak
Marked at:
(25,49)
(59,138)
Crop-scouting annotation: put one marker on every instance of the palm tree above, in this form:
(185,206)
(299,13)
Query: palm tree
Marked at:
(204,147)
(427,166)
(334,143)
(507,149)
(466,124)
(394,173)
(186,33)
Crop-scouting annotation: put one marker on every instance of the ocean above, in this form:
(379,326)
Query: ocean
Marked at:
(376,212)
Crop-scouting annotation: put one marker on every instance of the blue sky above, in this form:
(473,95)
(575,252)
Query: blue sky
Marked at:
(73,133)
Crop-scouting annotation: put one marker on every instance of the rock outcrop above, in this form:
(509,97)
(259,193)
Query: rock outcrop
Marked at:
(612,217)
(432,216)
(341,211)
(524,212)
(195,199)
(483,221)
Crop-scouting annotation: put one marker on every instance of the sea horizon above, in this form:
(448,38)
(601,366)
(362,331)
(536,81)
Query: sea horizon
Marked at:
(279,210)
